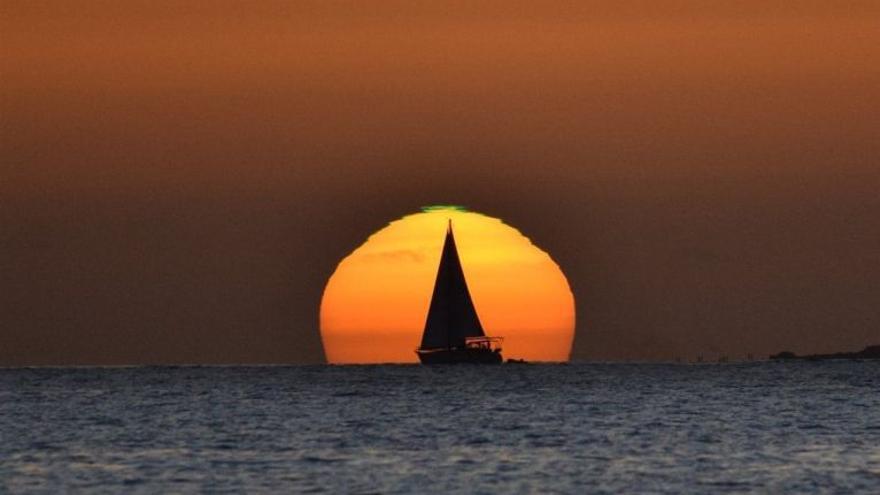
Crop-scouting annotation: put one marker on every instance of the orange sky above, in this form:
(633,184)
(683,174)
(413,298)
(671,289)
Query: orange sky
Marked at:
(180,179)
(291,79)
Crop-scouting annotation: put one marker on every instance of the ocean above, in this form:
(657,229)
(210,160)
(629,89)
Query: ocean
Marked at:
(762,427)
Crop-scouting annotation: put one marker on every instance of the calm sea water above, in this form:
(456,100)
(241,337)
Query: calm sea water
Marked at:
(604,428)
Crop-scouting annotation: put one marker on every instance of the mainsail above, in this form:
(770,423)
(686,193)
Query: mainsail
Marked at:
(452,315)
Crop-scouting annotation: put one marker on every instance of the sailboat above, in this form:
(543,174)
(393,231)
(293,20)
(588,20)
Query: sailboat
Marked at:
(453,333)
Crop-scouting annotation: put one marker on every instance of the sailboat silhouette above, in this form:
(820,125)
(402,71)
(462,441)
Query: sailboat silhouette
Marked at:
(453,333)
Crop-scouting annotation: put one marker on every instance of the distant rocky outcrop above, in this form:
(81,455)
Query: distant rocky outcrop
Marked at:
(870,352)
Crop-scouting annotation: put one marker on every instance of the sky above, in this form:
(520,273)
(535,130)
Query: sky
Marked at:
(178,181)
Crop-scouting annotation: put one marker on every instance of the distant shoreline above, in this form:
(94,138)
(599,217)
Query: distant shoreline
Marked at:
(870,352)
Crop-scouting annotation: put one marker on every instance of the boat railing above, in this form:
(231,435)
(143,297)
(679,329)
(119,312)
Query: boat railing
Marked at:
(491,343)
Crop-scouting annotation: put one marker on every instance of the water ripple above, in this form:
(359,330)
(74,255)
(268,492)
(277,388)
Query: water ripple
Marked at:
(583,428)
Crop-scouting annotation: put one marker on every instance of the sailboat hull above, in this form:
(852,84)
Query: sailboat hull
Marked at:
(460,355)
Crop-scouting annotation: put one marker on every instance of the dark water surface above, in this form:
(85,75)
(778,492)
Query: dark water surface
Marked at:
(798,427)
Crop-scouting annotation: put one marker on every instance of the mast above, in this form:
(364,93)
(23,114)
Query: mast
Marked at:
(452,316)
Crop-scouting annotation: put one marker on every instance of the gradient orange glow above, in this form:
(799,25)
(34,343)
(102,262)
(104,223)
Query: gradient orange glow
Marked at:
(374,306)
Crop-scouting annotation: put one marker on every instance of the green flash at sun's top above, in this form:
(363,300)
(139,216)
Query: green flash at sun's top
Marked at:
(432,208)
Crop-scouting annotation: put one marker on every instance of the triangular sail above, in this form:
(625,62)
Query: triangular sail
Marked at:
(452,315)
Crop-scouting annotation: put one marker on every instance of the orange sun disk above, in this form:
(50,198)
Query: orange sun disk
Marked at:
(375,303)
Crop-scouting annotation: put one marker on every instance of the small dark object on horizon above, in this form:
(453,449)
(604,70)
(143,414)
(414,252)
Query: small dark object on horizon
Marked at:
(870,352)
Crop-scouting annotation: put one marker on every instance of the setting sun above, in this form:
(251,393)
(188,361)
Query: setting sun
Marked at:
(374,306)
